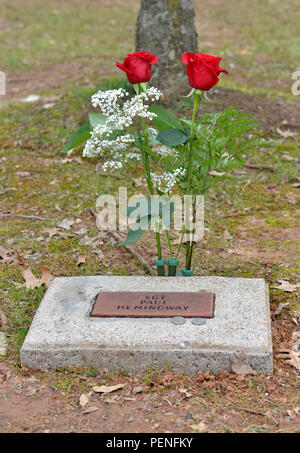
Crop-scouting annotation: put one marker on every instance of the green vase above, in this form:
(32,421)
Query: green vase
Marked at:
(160,266)
(172,264)
(187,272)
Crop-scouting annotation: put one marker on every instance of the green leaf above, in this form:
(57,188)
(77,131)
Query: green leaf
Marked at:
(97,118)
(165,118)
(172,137)
(81,136)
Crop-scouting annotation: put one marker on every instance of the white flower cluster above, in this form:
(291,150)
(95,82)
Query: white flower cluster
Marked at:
(100,143)
(118,164)
(121,115)
(108,101)
(112,165)
(167,180)
(166,151)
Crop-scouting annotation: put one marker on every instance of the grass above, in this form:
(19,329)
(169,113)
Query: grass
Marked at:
(81,40)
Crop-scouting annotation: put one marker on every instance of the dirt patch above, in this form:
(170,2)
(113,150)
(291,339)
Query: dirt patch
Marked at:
(271,113)
(54,76)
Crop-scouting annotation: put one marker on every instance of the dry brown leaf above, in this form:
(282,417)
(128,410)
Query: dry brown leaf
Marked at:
(81,231)
(84,399)
(4,252)
(66,224)
(280,307)
(293,412)
(216,173)
(287,157)
(227,236)
(201,427)
(240,367)
(286,286)
(239,252)
(51,231)
(291,197)
(293,357)
(3,321)
(81,260)
(46,276)
(32,282)
(22,174)
(136,390)
(5,256)
(185,393)
(106,389)
(90,409)
(285,134)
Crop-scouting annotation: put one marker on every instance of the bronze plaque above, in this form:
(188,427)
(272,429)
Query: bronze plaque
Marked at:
(154,304)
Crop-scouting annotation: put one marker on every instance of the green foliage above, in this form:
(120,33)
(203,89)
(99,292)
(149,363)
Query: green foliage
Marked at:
(97,118)
(81,136)
(220,140)
(165,118)
(172,137)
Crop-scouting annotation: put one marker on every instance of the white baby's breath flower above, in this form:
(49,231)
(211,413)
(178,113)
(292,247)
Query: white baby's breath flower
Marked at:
(167,180)
(104,141)
(112,165)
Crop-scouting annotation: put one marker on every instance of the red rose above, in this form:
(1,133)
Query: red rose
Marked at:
(202,70)
(138,66)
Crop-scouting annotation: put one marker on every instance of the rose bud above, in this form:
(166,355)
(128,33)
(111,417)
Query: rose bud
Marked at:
(138,66)
(202,70)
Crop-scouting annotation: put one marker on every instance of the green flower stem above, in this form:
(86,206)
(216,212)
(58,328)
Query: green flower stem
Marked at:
(169,243)
(149,180)
(190,165)
(180,244)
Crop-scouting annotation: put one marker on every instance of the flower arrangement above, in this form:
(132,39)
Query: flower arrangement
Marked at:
(188,154)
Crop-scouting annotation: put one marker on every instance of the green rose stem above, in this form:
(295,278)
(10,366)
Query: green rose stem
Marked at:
(197,98)
(149,180)
(159,262)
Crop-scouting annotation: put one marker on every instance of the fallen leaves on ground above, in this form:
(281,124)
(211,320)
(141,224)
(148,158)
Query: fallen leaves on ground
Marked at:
(291,357)
(90,409)
(286,286)
(201,427)
(32,282)
(3,321)
(23,174)
(51,231)
(285,134)
(280,307)
(66,224)
(81,260)
(292,413)
(106,389)
(185,392)
(4,255)
(84,399)
(8,256)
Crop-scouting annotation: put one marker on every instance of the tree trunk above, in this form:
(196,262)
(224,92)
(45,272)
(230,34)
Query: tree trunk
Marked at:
(166,28)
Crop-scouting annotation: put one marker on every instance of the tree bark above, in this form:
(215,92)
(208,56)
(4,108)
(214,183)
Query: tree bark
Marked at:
(166,28)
